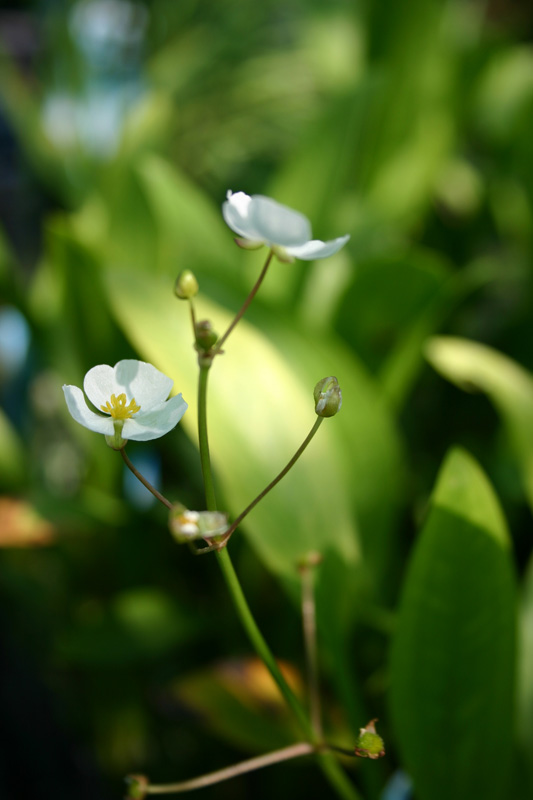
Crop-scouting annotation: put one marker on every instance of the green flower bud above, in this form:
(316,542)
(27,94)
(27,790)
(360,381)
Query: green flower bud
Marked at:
(328,397)
(186,285)
(137,787)
(205,336)
(369,744)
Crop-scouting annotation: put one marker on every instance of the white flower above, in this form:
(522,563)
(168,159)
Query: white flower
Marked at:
(261,220)
(133,396)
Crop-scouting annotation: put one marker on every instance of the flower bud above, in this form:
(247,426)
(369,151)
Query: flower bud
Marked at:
(205,336)
(369,743)
(328,397)
(186,525)
(186,285)
(137,787)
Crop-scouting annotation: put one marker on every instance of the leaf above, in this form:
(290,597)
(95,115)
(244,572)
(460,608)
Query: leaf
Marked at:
(240,702)
(453,655)
(525,671)
(473,366)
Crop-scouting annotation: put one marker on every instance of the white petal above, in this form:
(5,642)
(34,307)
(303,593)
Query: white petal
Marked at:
(142,381)
(278,224)
(83,414)
(99,384)
(136,379)
(157,422)
(235,211)
(317,249)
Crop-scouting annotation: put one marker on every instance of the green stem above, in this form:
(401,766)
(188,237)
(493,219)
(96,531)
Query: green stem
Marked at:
(278,477)
(259,644)
(205,459)
(218,347)
(329,765)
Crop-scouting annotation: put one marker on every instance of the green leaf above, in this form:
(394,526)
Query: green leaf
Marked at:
(453,655)
(473,366)
(525,684)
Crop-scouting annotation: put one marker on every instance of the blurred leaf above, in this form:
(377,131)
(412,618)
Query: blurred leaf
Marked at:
(452,660)
(12,455)
(524,704)
(388,309)
(139,624)
(240,702)
(476,367)
(22,526)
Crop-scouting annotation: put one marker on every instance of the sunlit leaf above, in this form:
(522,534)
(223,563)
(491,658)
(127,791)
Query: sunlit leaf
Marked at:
(476,367)
(453,655)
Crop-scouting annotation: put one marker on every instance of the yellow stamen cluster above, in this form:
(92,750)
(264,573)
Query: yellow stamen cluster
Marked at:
(118,408)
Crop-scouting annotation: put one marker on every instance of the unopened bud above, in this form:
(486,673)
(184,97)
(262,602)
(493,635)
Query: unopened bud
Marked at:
(205,336)
(186,525)
(328,397)
(186,285)
(369,743)
(137,787)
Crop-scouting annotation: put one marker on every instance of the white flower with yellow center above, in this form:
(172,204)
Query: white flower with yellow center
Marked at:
(261,220)
(133,396)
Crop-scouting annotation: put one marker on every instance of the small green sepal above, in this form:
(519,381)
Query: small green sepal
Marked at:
(115,441)
(369,743)
(247,244)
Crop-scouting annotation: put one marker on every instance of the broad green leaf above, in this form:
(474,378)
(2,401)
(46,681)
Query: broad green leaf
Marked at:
(453,655)
(476,367)
(525,683)
(138,625)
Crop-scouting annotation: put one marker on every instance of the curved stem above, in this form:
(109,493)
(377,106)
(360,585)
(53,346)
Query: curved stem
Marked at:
(278,477)
(259,644)
(311,653)
(142,479)
(293,751)
(218,346)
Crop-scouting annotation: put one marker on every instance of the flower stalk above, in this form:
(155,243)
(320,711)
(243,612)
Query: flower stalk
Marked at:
(218,348)
(144,481)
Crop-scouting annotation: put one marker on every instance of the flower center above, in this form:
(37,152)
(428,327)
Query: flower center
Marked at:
(118,408)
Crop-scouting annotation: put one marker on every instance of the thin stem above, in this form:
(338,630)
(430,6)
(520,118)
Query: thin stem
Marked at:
(193,316)
(278,477)
(328,764)
(259,643)
(142,479)
(220,342)
(205,459)
(311,654)
(276,757)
